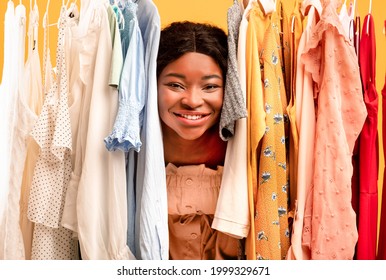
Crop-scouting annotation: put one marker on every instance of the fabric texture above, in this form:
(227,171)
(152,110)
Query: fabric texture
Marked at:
(233,107)
(271,216)
(192,198)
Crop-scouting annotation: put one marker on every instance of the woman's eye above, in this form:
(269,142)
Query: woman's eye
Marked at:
(211,87)
(175,85)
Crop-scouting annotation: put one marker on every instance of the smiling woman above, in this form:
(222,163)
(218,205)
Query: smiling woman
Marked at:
(191,79)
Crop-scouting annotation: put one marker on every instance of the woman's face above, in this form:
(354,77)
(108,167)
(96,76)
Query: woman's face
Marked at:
(190,95)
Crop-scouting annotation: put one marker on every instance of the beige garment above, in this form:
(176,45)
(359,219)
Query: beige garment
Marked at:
(192,199)
(305,121)
(26,225)
(53,167)
(97,207)
(232,212)
(34,94)
(25,117)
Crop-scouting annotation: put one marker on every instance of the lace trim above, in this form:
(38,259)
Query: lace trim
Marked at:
(312,55)
(126,130)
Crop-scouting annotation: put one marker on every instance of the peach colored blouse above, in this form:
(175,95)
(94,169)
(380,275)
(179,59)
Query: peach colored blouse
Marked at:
(192,197)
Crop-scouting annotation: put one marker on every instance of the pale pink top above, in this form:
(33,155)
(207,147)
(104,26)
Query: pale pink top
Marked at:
(330,222)
(305,121)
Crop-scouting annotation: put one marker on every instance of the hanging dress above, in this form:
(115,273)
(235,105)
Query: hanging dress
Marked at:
(271,186)
(305,123)
(29,103)
(53,168)
(381,253)
(329,220)
(17,123)
(368,148)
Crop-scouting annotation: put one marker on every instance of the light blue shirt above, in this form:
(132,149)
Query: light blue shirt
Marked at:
(151,213)
(125,134)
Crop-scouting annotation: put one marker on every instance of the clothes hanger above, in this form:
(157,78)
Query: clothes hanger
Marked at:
(120,17)
(72,8)
(293,18)
(384,28)
(368,18)
(354,5)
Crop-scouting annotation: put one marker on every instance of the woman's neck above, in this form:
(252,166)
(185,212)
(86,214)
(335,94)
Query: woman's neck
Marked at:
(209,149)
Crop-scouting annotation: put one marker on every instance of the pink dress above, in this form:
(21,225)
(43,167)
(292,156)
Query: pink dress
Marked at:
(330,222)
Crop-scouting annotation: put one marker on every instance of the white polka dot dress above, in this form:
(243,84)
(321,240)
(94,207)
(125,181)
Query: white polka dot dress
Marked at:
(53,168)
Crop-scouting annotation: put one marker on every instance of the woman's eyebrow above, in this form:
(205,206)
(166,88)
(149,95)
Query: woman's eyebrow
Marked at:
(176,75)
(214,76)
(181,76)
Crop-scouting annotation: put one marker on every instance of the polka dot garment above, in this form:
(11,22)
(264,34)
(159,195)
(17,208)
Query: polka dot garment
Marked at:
(53,168)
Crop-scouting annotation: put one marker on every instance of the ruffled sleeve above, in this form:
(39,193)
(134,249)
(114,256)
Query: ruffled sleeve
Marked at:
(125,134)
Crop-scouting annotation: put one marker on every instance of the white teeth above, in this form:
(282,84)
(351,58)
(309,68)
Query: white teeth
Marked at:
(192,117)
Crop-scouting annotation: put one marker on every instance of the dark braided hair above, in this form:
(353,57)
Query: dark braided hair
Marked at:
(180,38)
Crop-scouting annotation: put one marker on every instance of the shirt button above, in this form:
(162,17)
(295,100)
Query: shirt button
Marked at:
(189,181)
(193,235)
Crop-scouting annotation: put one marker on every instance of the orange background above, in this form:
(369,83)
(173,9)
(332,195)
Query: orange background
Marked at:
(215,11)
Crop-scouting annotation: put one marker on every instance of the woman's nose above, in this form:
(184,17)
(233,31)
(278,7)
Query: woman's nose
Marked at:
(192,98)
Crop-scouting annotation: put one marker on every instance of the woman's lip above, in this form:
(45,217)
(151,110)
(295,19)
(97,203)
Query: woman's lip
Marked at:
(192,117)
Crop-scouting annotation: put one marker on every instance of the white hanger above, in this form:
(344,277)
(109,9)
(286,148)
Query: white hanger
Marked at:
(368,18)
(353,10)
